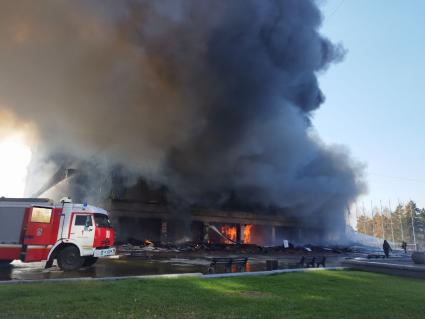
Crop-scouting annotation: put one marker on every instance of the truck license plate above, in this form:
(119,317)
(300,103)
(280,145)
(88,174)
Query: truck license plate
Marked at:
(104,252)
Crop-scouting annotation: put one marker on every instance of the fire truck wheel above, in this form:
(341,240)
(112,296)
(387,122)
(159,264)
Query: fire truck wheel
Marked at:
(89,261)
(69,259)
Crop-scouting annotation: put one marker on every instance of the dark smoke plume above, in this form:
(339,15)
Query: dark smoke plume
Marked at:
(205,96)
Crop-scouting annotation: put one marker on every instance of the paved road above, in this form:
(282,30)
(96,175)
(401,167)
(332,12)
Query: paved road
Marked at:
(133,267)
(103,268)
(396,265)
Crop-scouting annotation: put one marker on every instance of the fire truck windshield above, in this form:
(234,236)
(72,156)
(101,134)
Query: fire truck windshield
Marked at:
(102,221)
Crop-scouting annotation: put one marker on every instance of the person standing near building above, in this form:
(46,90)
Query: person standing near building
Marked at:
(404,246)
(387,248)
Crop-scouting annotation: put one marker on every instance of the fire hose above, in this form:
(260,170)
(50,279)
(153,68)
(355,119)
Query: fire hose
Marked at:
(215,229)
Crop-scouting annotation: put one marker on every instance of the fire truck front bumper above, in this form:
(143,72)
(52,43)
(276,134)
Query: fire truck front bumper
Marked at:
(105,252)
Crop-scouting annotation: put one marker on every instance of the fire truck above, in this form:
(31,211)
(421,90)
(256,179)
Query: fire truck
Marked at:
(33,229)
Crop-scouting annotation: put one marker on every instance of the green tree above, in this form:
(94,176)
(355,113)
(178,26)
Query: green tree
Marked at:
(401,222)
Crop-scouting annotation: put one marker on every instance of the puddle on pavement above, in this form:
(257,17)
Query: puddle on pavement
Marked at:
(122,267)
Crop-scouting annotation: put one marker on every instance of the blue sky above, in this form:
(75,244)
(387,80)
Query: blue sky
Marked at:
(375,98)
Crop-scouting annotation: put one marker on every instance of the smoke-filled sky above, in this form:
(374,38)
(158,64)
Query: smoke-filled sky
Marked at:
(208,97)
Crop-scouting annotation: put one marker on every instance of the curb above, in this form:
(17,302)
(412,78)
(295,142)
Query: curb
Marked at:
(32,281)
(172,276)
(271,272)
(414,271)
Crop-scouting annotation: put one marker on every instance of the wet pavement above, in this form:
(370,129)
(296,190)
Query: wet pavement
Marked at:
(400,265)
(108,267)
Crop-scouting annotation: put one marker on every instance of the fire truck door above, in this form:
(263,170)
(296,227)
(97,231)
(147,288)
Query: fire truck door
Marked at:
(39,226)
(82,230)
(40,232)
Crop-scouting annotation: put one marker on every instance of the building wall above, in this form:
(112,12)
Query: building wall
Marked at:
(142,212)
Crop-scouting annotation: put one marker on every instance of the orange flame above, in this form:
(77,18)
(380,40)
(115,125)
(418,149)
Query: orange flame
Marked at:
(247,234)
(230,232)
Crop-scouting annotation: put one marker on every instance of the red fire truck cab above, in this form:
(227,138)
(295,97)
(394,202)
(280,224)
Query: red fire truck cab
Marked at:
(40,230)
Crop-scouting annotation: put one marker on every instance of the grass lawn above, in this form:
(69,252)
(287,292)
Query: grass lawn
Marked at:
(325,294)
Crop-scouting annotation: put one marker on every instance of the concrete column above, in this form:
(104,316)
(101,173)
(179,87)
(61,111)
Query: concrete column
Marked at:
(273,235)
(239,233)
(164,231)
(206,232)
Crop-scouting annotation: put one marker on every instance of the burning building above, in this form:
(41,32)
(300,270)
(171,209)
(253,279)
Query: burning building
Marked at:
(144,211)
(207,105)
